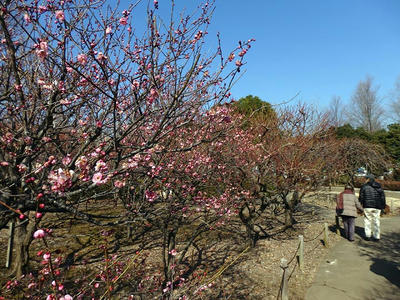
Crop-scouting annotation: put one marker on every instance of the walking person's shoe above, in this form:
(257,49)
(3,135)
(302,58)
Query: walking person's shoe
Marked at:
(375,239)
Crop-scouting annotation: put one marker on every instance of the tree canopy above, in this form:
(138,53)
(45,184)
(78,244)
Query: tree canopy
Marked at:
(388,138)
(254,106)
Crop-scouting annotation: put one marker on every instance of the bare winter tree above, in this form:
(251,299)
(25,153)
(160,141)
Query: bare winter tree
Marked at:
(365,110)
(395,101)
(336,112)
(353,153)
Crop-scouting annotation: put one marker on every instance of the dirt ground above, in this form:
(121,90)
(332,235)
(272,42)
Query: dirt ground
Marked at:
(259,275)
(250,273)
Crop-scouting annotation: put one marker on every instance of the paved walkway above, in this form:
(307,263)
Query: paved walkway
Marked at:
(363,270)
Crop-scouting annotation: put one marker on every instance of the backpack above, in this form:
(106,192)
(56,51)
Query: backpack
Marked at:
(339,205)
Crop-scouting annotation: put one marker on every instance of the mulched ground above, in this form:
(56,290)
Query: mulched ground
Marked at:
(258,275)
(250,273)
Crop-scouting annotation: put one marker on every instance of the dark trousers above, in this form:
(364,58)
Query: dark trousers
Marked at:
(349,226)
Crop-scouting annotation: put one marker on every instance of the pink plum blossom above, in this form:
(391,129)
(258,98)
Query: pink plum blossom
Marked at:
(4,163)
(42,50)
(98,178)
(81,162)
(153,95)
(46,139)
(40,233)
(21,168)
(66,160)
(46,256)
(100,165)
(31,285)
(123,21)
(65,101)
(119,183)
(108,30)
(173,252)
(60,180)
(243,52)
(135,85)
(198,35)
(60,15)
(100,56)
(82,59)
(27,18)
(150,196)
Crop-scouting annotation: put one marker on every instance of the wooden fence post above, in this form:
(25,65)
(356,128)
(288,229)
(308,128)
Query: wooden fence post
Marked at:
(10,244)
(300,254)
(285,280)
(391,206)
(326,234)
(129,232)
(337,225)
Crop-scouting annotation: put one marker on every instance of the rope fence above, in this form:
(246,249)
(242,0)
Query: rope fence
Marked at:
(286,265)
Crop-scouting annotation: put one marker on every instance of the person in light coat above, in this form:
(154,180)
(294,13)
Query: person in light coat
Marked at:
(372,198)
(346,207)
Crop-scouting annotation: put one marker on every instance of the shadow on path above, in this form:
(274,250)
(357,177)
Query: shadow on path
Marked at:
(363,270)
(387,269)
(385,256)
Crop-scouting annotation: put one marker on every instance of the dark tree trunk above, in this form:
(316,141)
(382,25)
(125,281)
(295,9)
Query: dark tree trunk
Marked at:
(22,240)
(290,205)
(289,219)
(247,216)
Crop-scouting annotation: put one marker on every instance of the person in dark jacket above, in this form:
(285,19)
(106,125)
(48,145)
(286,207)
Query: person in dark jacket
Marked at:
(346,207)
(372,198)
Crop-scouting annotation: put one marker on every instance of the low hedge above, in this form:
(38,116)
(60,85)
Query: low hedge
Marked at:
(390,185)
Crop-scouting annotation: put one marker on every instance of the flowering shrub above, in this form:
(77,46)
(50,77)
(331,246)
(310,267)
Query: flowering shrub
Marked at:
(52,279)
(90,111)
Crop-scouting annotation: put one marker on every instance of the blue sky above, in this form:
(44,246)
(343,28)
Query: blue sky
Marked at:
(316,48)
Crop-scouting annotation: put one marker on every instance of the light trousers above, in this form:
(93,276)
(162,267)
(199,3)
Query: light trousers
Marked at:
(372,222)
